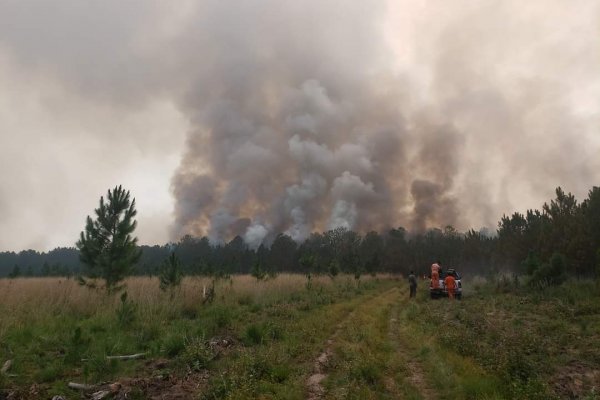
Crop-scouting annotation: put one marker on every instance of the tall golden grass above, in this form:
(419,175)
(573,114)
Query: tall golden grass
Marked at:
(30,300)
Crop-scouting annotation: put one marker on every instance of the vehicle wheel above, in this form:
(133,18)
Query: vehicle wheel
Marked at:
(432,295)
(459,296)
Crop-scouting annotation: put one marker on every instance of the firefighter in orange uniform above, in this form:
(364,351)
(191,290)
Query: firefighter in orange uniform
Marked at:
(435,275)
(450,284)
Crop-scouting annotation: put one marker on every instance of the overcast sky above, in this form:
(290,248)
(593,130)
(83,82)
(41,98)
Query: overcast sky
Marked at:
(257,117)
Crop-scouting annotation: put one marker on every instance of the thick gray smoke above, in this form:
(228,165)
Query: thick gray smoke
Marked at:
(300,126)
(299,116)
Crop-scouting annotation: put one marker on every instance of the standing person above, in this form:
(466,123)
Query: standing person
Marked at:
(435,275)
(450,284)
(412,283)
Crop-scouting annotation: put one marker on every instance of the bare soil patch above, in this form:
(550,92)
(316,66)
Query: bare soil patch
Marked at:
(575,380)
(314,381)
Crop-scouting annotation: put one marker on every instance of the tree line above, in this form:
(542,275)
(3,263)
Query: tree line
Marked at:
(563,226)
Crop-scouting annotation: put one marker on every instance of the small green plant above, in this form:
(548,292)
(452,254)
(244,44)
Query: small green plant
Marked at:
(197,354)
(258,271)
(260,333)
(367,372)
(308,281)
(592,395)
(357,274)
(76,347)
(173,345)
(308,263)
(220,387)
(170,274)
(271,272)
(254,334)
(550,274)
(125,311)
(98,367)
(334,269)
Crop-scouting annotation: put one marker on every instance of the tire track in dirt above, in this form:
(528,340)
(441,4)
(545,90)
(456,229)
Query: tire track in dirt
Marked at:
(416,373)
(314,384)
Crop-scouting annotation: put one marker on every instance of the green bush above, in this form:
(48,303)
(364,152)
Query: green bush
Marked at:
(531,263)
(553,273)
(260,333)
(254,335)
(258,271)
(173,345)
(197,354)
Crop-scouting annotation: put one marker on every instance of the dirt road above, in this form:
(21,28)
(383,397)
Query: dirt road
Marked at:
(367,356)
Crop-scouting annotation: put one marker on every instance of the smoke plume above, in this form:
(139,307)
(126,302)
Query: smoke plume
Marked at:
(301,124)
(296,116)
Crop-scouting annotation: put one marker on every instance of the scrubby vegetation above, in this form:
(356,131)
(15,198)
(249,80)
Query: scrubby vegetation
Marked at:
(511,342)
(255,338)
(260,339)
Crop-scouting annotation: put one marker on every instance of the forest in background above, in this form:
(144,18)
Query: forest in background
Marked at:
(563,226)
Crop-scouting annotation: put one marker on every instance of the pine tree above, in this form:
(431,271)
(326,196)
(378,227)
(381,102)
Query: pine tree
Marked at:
(107,246)
(258,271)
(170,274)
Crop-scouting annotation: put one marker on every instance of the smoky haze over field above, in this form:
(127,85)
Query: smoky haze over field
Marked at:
(262,117)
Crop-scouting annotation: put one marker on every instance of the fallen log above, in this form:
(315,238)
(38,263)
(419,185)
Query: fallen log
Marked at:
(82,386)
(127,357)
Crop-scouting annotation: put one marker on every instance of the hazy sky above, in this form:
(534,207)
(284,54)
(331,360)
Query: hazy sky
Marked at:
(257,117)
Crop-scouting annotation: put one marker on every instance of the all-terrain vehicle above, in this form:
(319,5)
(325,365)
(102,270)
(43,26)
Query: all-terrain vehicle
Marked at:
(441,291)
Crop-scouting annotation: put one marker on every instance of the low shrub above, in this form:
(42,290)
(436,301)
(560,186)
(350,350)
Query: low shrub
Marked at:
(550,274)
(197,354)
(173,345)
(260,333)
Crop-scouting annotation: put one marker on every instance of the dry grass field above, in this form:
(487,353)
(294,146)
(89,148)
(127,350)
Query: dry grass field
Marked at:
(56,331)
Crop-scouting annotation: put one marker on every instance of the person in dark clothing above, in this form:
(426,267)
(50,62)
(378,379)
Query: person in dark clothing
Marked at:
(412,283)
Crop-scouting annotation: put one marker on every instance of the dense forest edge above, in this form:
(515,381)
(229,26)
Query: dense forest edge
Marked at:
(564,234)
